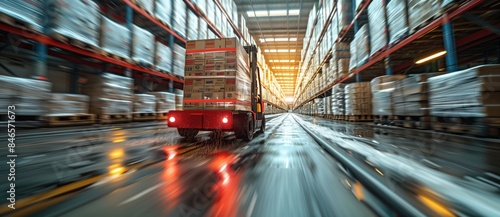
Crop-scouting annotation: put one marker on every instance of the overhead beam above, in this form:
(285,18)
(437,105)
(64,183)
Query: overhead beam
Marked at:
(482,22)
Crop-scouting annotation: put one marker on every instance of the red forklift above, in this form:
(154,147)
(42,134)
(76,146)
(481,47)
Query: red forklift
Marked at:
(244,124)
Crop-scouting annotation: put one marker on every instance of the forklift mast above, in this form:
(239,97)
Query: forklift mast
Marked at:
(255,79)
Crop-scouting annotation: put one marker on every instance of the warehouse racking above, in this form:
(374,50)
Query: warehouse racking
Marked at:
(130,13)
(464,29)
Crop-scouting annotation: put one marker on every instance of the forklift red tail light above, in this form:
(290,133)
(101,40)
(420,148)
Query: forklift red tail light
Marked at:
(225,120)
(171,119)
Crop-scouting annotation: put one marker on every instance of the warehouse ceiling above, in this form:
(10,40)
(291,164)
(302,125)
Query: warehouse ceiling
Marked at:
(279,27)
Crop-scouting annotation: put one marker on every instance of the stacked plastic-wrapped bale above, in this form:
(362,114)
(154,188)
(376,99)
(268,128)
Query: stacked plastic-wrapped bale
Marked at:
(320,106)
(203,28)
(28,96)
(165,102)
(345,14)
(220,76)
(29,12)
(110,97)
(143,46)
(467,101)
(420,11)
(179,17)
(147,5)
(192,25)
(338,101)
(411,102)
(144,107)
(164,11)
(377,30)
(397,18)
(341,55)
(382,89)
(327,101)
(115,38)
(163,58)
(358,102)
(68,19)
(360,49)
(179,54)
(68,109)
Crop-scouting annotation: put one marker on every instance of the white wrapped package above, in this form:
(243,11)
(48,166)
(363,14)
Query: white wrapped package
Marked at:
(192,26)
(179,17)
(29,11)
(68,104)
(164,11)
(148,5)
(163,57)
(29,106)
(78,20)
(110,106)
(144,103)
(115,38)
(419,11)
(397,20)
(108,91)
(179,60)
(202,33)
(338,100)
(376,15)
(382,102)
(473,92)
(362,46)
(165,101)
(380,82)
(143,46)
(24,87)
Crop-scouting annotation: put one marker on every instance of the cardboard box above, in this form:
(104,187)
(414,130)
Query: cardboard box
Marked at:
(193,95)
(231,43)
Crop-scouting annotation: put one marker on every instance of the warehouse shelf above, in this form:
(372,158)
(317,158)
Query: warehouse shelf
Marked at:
(43,39)
(154,20)
(202,15)
(235,28)
(424,40)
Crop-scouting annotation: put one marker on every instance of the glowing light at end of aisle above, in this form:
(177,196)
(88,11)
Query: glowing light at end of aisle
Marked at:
(289,99)
(431,57)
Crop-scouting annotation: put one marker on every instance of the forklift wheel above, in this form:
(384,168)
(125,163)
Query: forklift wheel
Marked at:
(188,133)
(245,129)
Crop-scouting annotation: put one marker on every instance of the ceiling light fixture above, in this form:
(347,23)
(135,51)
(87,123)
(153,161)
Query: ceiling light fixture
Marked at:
(431,57)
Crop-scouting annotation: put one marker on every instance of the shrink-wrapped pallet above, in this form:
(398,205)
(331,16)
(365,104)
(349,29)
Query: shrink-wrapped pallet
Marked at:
(420,11)
(328,105)
(222,77)
(144,103)
(179,54)
(165,101)
(28,11)
(115,38)
(377,30)
(202,33)
(411,96)
(397,18)
(163,57)
(345,14)
(192,26)
(473,92)
(78,20)
(147,5)
(164,11)
(109,94)
(338,99)
(179,17)
(382,88)
(362,46)
(29,96)
(143,46)
(358,99)
(68,104)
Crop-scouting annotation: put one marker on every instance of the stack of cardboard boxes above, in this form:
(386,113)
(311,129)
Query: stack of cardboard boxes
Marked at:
(358,99)
(216,75)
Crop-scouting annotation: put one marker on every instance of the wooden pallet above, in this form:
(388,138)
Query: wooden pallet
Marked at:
(143,64)
(4,18)
(360,6)
(161,115)
(76,42)
(68,120)
(359,118)
(424,23)
(147,116)
(23,121)
(114,56)
(383,119)
(141,7)
(339,117)
(473,126)
(414,122)
(114,118)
